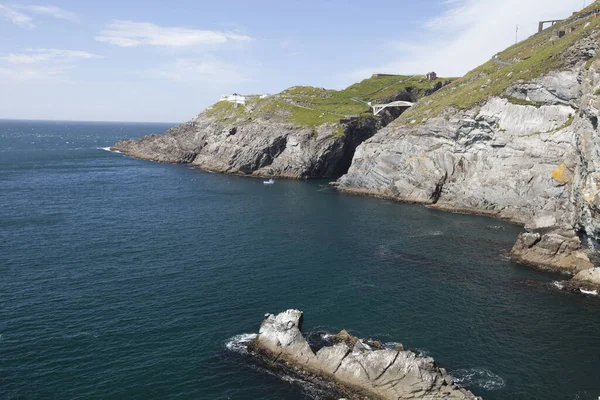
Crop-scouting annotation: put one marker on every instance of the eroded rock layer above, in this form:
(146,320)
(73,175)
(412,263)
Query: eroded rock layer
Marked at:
(357,369)
(529,155)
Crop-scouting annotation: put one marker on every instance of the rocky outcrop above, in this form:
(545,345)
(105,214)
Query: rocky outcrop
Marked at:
(587,281)
(354,367)
(258,147)
(262,142)
(530,156)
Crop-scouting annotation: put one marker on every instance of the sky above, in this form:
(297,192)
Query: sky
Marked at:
(159,61)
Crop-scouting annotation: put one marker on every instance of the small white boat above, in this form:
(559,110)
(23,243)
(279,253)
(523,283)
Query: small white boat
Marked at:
(591,292)
(269,182)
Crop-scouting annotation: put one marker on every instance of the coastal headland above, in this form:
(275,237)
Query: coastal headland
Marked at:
(516,138)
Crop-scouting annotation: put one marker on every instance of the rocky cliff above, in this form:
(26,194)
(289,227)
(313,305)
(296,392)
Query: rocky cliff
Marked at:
(301,133)
(516,140)
(354,368)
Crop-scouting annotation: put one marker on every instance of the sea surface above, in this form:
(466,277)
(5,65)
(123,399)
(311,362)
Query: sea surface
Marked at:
(128,279)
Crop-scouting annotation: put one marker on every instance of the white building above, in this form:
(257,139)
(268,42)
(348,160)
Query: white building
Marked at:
(235,98)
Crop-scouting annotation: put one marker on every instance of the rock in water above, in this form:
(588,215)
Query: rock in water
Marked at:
(355,368)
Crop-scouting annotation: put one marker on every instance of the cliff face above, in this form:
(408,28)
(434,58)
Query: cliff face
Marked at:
(258,147)
(528,152)
(300,133)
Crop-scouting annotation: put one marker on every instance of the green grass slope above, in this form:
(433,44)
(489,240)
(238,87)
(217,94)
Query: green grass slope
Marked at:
(310,107)
(529,59)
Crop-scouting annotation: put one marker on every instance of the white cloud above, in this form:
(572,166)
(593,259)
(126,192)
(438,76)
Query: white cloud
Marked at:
(16,17)
(466,35)
(31,56)
(132,34)
(210,71)
(11,74)
(40,64)
(18,14)
(52,11)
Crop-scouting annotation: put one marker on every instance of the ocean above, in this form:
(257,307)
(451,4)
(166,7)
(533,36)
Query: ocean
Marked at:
(128,279)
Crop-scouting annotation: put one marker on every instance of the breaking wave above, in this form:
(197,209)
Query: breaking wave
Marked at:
(481,378)
(558,284)
(108,149)
(238,342)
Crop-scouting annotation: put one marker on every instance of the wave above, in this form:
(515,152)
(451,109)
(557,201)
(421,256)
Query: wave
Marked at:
(479,378)
(423,352)
(558,284)
(310,389)
(238,342)
(108,149)
(427,234)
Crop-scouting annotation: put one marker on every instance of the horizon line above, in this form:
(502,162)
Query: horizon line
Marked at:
(83,120)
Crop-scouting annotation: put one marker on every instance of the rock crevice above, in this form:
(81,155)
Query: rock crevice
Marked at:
(534,161)
(353,367)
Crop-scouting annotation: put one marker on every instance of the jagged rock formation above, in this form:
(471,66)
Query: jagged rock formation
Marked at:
(528,152)
(258,147)
(357,370)
(290,135)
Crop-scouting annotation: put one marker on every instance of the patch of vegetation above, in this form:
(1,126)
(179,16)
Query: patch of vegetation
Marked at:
(567,123)
(224,110)
(589,63)
(338,131)
(522,102)
(536,56)
(311,107)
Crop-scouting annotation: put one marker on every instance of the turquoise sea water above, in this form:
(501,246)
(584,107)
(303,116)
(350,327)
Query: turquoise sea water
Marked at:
(128,279)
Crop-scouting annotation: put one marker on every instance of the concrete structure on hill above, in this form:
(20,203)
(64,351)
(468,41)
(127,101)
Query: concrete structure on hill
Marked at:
(543,23)
(235,98)
(240,99)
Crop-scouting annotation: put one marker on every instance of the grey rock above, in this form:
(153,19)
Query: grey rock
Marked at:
(383,374)
(536,166)
(260,147)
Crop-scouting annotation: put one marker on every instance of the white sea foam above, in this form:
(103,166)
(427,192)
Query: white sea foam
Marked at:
(108,149)
(427,234)
(478,378)
(423,352)
(238,342)
(558,284)
(590,292)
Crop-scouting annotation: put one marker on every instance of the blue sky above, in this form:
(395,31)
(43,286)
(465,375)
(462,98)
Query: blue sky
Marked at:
(151,60)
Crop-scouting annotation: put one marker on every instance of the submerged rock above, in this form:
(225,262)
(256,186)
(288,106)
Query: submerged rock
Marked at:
(356,369)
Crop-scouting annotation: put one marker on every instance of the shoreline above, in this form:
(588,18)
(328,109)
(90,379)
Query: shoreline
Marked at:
(514,255)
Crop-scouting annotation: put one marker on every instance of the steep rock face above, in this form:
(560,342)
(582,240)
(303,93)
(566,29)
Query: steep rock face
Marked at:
(532,164)
(381,374)
(302,132)
(259,147)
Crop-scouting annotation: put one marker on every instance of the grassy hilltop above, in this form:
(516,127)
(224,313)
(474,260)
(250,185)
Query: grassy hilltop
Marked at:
(310,107)
(527,60)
